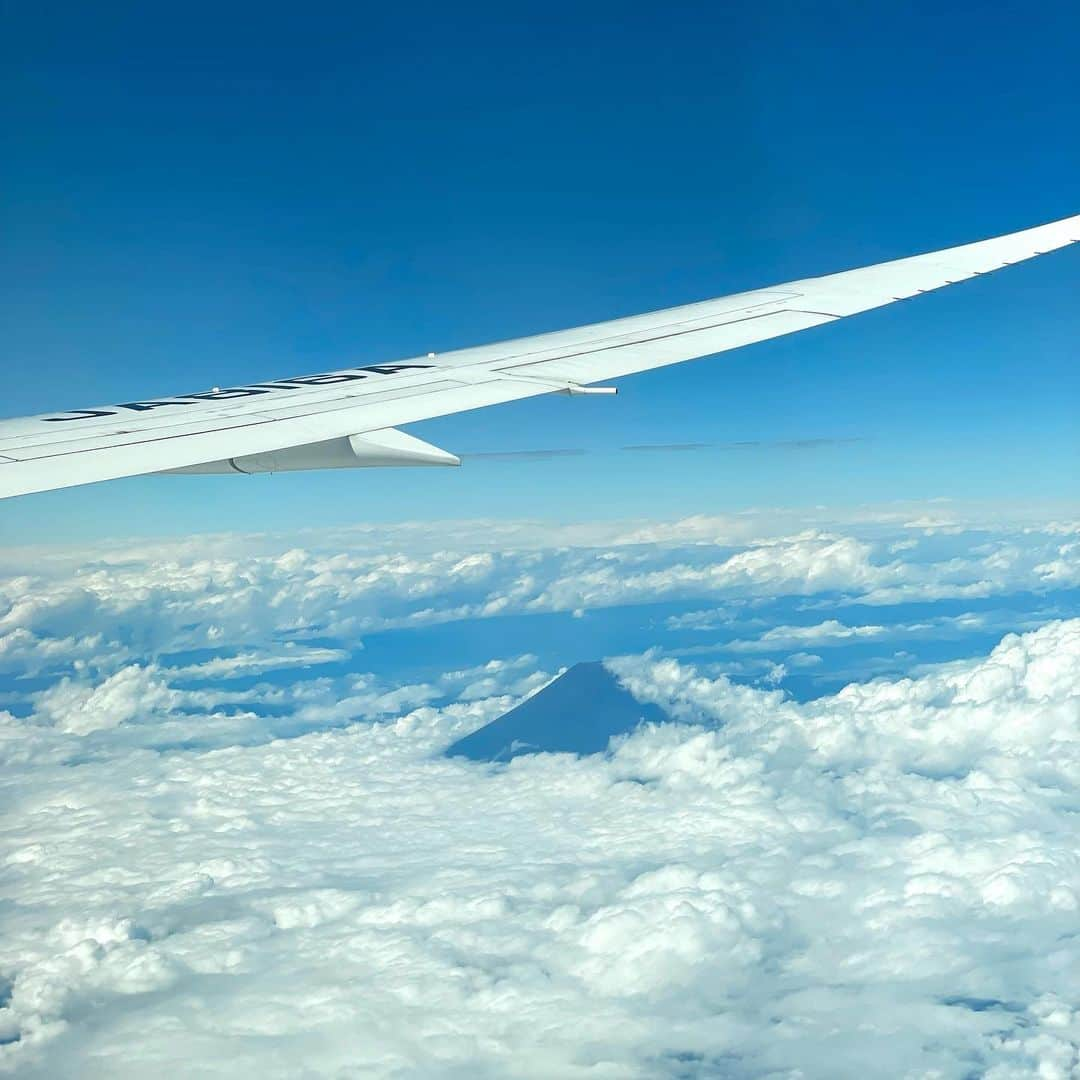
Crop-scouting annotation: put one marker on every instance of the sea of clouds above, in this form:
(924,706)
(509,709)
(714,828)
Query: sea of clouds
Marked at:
(232,845)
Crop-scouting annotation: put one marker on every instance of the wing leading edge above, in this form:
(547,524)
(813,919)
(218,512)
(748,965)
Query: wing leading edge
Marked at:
(289,423)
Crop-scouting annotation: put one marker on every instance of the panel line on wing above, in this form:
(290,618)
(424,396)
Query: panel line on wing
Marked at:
(648,340)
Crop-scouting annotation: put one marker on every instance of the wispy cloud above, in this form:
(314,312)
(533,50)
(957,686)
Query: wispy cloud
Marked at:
(780,444)
(542,454)
(524,455)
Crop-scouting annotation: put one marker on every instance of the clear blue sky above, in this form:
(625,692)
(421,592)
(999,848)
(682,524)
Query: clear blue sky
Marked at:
(210,194)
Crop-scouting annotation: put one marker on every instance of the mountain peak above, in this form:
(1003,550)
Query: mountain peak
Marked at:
(577,713)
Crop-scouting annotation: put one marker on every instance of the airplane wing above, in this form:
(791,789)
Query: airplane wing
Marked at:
(349,418)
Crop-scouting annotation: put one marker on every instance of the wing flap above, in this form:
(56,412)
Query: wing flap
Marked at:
(373,449)
(257,435)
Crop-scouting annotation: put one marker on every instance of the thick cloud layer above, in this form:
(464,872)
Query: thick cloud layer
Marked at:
(233,590)
(881,881)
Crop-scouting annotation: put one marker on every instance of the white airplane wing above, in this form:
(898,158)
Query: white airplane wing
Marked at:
(348,418)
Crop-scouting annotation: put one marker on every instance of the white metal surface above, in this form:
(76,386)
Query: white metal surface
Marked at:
(372,450)
(210,427)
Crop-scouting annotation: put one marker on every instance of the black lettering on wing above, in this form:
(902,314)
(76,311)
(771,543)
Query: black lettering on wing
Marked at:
(79,414)
(228,395)
(393,369)
(243,391)
(146,406)
(327,380)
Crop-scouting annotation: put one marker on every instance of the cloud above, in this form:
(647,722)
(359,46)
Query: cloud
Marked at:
(830,632)
(80,708)
(524,455)
(669,447)
(546,453)
(755,444)
(835,632)
(289,654)
(227,848)
(1064,567)
(342,584)
(871,881)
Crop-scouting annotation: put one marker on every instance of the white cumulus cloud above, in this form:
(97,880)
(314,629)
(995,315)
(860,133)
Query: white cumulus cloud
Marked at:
(886,878)
(231,847)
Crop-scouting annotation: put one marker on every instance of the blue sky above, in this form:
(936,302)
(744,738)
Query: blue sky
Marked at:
(231,838)
(203,195)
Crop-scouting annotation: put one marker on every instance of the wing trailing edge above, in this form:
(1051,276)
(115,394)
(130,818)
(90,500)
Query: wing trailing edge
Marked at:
(349,418)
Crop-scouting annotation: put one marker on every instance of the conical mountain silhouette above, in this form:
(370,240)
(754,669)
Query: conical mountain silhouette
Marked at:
(577,713)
